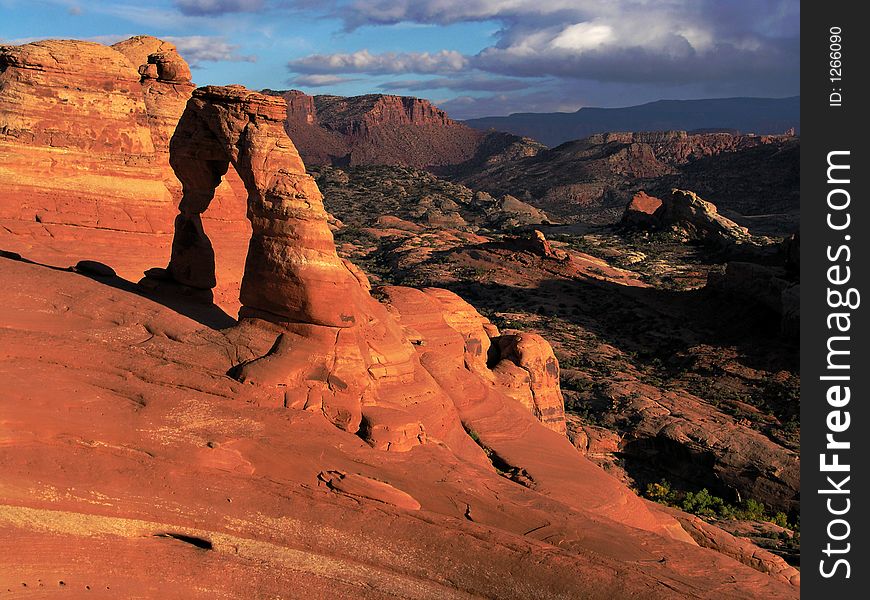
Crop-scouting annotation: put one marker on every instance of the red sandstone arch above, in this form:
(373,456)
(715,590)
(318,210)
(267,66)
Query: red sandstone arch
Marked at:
(292,272)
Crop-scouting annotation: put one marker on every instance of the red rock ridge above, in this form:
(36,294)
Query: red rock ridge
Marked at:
(379,129)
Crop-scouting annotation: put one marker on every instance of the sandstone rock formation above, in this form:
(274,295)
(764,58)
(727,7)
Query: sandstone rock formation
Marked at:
(145,453)
(526,366)
(690,217)
(536,243)
(75,143)
(511,212)
(84,138)
(334,350)
(708,535)
(686,216)
(292,272)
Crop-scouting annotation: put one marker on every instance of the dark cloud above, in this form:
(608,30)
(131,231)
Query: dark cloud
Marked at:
(740,47)
(217,7)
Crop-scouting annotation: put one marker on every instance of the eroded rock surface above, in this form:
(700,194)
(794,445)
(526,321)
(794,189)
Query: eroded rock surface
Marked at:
(84,143)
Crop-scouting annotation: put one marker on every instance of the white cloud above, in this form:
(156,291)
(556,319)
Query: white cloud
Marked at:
(313,81)
(363,61)
(582,36)
(197,49)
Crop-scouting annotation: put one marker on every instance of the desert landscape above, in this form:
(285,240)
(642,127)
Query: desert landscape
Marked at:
(267,344)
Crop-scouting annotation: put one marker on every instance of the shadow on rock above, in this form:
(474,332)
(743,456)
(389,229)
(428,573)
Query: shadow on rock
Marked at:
(193,304)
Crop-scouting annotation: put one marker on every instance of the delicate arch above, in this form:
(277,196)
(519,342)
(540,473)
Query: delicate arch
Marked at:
(292,271)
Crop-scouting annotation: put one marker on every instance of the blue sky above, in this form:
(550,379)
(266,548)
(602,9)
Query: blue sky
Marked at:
(471,57)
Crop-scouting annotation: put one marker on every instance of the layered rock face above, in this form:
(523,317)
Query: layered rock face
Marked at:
(527,366)
(292,271)
(687,214)
(75,142)
(378,129)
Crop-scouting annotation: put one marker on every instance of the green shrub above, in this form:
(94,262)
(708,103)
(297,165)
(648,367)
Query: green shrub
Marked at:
(704,504)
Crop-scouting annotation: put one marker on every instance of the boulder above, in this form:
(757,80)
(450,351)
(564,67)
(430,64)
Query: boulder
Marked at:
(639,212)
(528,369)
(685,215)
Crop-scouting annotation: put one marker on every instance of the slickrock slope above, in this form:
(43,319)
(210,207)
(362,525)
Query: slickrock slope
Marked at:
(143,471)
(325,444)
(378,129)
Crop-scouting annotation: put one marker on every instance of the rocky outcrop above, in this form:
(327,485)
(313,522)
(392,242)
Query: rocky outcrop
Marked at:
(166,87)
(686,216)
(335,350)
(526,366)
(510,212)
(138,48)
(379,129)
(292,271)
(536,243)
(155,457)
(84,143)
(708,535)
(690,217)
(639,212)
(75,143)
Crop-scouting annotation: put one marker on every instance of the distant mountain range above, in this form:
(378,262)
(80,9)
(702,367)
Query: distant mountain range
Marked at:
(744,115)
